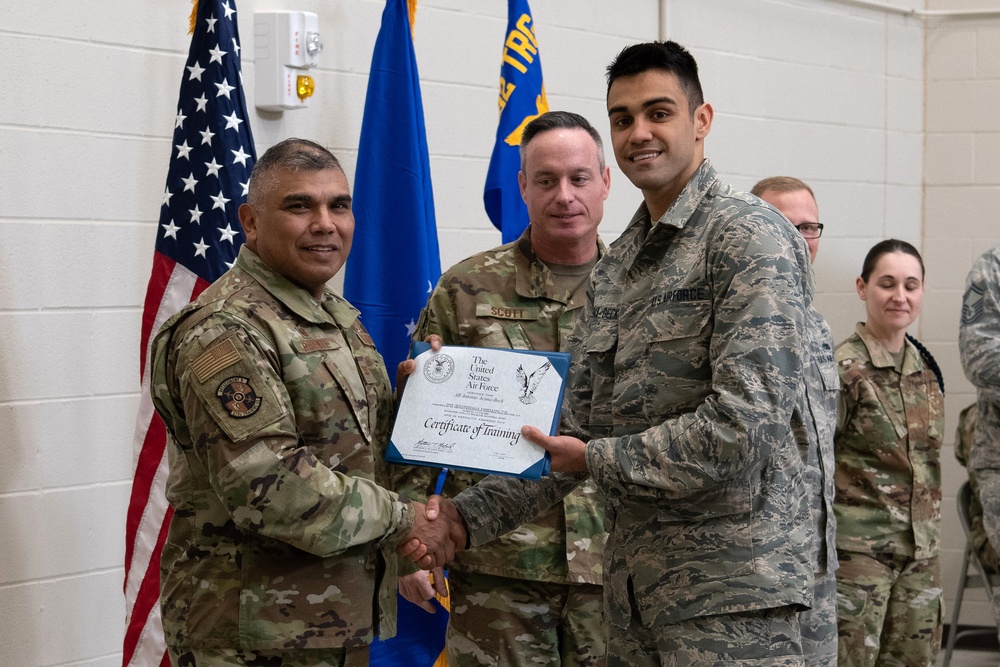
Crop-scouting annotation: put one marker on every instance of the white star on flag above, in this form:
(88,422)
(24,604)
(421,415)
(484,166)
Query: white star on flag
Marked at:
(229,10)
(246,187)
(213,168)
(167,194)
(233,122)
(224,89)
(179,120)
(196,71)
(217,54)
(411,326)
(236,46)
(202,101)
(240,156)
(195,215)
(228,234)
(206,136)
(211,23)
(200,248)
(183,150)
(170,229)
(220,201)
(190,182)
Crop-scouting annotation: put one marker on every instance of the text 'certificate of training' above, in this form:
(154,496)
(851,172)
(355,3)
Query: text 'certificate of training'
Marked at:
(463,407)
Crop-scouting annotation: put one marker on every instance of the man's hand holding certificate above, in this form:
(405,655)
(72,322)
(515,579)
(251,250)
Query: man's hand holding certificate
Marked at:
(464,407)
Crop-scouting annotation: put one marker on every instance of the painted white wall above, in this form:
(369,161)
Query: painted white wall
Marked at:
(813,88)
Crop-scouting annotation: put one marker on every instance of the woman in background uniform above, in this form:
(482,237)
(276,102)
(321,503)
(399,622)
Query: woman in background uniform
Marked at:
(888,475)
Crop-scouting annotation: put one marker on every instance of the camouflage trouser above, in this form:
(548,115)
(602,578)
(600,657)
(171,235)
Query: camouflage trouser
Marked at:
(989,496)
(765,638)
(333,657)
(819,624)
(502,621)
(889,610)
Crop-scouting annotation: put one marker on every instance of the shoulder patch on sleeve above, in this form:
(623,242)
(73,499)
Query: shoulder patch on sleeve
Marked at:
(217,357)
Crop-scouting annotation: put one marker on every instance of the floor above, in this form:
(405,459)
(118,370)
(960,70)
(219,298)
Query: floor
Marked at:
(972,659)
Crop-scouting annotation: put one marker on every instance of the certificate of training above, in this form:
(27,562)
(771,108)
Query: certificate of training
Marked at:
(464,407)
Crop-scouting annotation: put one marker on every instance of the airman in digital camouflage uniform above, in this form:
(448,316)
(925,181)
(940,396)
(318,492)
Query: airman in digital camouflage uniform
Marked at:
(814,421)
(979,342)
(278,407)
(532,597)
(888,477)
(686,366)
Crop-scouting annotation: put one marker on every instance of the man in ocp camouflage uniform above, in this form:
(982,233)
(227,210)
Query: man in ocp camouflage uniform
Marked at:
(965,433)
(533,596)
(979,342)
(814,422)
(686,366)
(280,551)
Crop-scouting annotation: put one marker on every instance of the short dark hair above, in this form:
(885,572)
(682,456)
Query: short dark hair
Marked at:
(668,56)
(560,120)
(781,184)
(884,248)
(291,154)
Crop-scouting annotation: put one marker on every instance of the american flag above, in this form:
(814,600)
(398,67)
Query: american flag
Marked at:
(198,238)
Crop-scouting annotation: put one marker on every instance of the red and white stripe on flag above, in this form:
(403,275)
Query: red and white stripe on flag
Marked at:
(197,240)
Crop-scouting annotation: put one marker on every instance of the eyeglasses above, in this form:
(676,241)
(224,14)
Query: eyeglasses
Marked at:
(810,230)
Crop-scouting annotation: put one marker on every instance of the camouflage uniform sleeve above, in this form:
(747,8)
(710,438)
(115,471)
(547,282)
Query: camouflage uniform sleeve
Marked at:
(979,332)
(754,359)
(268,480)
(438,316)
(497,505)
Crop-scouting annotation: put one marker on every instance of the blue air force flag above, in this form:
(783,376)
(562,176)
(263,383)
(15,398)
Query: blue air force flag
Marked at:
(394,262)
(521,100)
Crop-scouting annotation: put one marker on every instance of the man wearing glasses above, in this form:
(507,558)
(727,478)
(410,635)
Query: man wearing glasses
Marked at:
(814,422)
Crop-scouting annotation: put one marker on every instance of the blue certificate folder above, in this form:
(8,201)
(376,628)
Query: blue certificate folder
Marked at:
(560,364)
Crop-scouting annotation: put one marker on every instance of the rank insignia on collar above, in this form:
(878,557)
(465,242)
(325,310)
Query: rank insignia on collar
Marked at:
(238,397)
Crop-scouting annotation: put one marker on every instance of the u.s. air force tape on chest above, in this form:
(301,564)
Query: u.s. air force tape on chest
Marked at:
(464,407)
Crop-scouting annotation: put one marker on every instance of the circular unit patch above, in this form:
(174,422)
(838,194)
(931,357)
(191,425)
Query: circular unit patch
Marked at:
(238,397)
(439,368)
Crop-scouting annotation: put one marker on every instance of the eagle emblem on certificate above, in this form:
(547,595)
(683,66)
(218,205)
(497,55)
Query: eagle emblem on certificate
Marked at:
(529,383)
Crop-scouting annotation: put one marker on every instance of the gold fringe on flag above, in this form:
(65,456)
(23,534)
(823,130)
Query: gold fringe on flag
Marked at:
(411,5)
(194,17)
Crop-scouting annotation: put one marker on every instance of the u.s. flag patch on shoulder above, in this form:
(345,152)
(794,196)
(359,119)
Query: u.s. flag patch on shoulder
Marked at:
(972,304)
(238,397)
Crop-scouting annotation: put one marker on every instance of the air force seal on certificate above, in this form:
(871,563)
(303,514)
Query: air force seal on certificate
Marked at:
(439,368)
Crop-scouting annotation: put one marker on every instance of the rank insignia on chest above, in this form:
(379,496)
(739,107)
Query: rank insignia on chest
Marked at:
(238,397)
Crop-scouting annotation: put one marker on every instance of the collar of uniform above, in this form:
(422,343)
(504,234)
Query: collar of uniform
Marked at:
(296,299)
(881,358)
(690,197)
(532,278)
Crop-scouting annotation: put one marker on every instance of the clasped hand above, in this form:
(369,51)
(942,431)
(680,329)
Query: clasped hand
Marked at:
(438,533)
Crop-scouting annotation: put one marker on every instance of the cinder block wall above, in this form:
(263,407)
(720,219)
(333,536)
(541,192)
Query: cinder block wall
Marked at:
(812,88)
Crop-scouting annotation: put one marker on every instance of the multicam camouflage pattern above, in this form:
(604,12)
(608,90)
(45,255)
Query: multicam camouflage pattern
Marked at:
(763,638)
(888,449)
(686,370)
(964,434)
(278,410)
(357,657)
(520,623)
(507,298)
(889,610)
